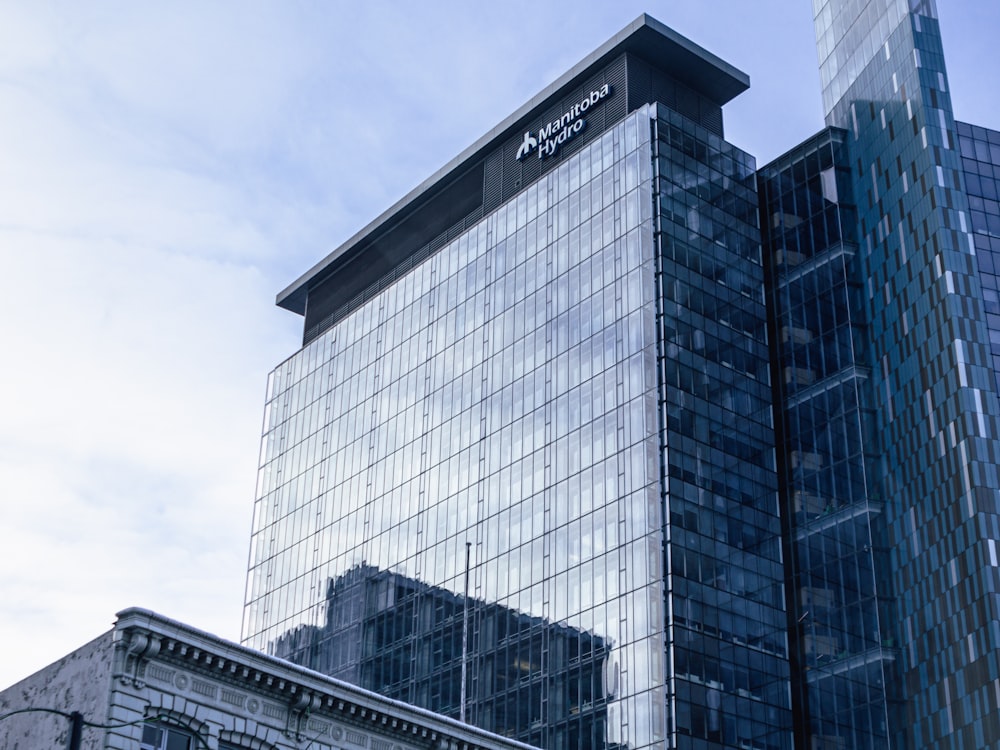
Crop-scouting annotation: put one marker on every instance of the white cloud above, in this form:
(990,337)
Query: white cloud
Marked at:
(129,438)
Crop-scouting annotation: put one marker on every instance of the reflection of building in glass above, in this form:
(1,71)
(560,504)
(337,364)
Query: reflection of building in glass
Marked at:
(747,441)
(402,638)
(821,373)
(556,351)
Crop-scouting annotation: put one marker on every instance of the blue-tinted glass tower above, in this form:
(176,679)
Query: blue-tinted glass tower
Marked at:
(980,149)
(522,469)
(932,473)
(841,625)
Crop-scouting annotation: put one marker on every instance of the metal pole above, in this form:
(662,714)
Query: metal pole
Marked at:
(465,631)
(75,730)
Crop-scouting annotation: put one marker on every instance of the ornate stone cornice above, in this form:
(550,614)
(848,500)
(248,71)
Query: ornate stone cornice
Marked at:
(149,645)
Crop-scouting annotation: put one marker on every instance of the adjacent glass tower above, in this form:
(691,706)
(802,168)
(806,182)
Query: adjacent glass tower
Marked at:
(931,385)
(980,149)
(841,623)
(522,470)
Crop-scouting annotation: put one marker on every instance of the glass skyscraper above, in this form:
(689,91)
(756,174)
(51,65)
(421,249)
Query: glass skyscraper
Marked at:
(980,148)
(571,382)
(603,437)
(844,645)
(932,383)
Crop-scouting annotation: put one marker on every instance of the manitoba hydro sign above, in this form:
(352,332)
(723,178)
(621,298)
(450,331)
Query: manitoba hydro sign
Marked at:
(551,136)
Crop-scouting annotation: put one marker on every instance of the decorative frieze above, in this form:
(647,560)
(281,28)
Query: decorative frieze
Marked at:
(274,712)
(233,698)
(356,738)
(161,674)
(204,688)
(318,727)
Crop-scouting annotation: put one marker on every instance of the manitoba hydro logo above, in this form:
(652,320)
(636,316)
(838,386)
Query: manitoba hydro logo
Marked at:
(548,140)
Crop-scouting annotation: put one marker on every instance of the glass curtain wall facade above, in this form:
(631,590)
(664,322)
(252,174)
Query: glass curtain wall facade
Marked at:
(980,149)
(842,629)
(404,639)
(576,388)
(501,394)
(725,594)
(933,386)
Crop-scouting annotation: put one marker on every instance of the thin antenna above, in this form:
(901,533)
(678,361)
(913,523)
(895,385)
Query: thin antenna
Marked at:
(465,631)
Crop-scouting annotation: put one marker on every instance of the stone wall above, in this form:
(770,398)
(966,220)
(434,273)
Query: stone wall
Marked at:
(80,681)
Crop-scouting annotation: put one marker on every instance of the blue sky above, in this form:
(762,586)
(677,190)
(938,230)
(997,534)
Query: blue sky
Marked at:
(167,168)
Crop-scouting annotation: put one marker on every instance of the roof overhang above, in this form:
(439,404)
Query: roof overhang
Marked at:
(645,37)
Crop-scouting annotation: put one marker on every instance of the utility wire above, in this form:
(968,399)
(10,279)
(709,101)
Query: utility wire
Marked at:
(95,725)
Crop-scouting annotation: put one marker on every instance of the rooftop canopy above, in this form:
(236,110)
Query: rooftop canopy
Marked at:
(645,37)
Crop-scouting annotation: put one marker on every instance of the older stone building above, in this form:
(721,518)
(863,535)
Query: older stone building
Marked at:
(152,683)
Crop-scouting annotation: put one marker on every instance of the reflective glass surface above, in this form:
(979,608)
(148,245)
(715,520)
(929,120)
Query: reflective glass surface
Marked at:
(501,395)
(532,482)
(932,378)
(725,593)
(843,635)
(980,149)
